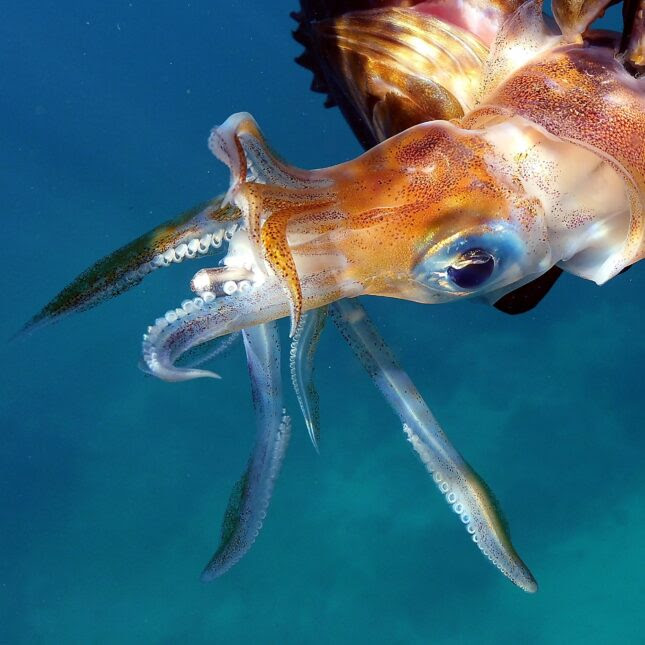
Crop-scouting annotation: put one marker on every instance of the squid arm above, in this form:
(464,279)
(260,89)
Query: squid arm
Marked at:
(463,489)
(200,231)
(208,351)
(301,364)
(250,498)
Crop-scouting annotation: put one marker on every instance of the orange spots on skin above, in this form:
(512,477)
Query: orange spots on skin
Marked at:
(582,94)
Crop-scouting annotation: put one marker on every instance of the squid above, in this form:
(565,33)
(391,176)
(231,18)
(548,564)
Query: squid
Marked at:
(502,148)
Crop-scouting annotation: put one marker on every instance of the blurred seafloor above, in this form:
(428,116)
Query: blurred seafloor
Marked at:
(113,485)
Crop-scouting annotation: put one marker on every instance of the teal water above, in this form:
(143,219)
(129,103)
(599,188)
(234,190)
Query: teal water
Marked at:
(113,484)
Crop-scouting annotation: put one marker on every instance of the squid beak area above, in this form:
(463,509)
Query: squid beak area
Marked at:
(283,207)
(355,224)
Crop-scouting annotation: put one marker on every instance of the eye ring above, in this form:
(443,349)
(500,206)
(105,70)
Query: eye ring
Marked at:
(472,268)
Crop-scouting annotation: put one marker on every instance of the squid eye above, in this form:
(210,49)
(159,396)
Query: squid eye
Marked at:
(472,268)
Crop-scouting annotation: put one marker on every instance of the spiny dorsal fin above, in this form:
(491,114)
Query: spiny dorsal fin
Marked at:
(366,57)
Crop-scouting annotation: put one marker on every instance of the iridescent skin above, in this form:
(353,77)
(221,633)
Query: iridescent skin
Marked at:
(390,222)
(542,164)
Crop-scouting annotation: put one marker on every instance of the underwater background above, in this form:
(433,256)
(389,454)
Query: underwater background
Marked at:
(113,484)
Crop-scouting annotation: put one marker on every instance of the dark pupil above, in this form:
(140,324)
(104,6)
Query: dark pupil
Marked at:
(473,269)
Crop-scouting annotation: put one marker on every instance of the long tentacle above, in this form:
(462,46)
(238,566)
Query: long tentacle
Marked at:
(301,364)
(250,498)
(462,487)
(198,232)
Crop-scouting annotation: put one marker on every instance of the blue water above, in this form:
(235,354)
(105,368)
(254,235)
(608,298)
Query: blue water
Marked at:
(113,484)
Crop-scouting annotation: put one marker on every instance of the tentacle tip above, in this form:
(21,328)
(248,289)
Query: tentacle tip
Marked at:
(21,333)
(525,580)
(530,585)
(143,366)
(313,435)
(176,375)
(209,574)
(217,567)
(181,374)
(32,325)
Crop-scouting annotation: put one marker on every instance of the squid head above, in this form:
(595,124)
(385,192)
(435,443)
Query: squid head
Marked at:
(433,214)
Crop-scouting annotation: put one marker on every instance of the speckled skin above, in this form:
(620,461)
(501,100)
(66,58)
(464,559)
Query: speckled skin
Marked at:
(583,94)
(380,212)
(574,16)
(411,195)
(540,168)
(385,219)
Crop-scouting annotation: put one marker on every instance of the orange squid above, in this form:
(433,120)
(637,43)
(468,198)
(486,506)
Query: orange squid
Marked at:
(504,148)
